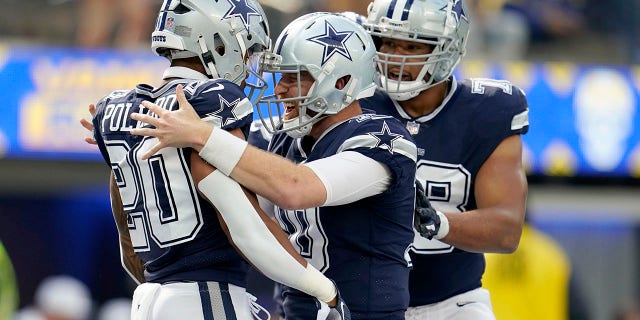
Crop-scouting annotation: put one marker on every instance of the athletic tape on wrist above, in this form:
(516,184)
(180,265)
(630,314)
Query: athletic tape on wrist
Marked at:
(223,150)
(444,226)
(317,284)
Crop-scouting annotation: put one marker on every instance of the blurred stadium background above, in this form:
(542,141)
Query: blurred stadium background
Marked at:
(577,60)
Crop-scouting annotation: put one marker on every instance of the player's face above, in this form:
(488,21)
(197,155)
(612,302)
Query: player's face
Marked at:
(401,51)
(288,88)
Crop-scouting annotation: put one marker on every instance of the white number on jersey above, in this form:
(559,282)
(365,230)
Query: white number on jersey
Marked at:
(306,235)
(447,187)
(171,212)
(479,84)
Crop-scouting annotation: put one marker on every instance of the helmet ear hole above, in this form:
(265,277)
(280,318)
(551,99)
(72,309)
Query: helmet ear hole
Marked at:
(342,82)
(218,44)
(181,9)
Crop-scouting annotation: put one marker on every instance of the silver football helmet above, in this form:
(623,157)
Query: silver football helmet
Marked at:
(329,47)
(443,24)
(227,35)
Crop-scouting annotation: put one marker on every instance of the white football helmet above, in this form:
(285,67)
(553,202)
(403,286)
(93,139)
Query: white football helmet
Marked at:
(227,35)
(443,24)
(329,47)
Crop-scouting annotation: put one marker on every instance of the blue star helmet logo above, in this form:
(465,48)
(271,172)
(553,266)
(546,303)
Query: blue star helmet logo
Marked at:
(242,10)
(225,118)
(333,42)
(385,138)
(456,9)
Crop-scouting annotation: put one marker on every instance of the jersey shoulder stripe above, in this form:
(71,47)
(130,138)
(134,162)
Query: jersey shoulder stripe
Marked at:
(384,132)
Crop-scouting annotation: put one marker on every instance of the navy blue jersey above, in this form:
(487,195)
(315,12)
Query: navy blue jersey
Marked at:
(453,143)
(361,245)
(174,231)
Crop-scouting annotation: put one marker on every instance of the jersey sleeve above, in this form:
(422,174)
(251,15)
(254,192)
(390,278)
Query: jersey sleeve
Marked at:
(97,123)
(501,114)
(221,103)
(97,120)
(384,139)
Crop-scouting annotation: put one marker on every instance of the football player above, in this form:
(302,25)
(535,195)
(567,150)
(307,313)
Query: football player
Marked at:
(469,152)
(173,241)
(342,182)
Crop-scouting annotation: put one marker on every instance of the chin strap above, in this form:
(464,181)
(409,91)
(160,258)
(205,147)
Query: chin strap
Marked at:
(207,58)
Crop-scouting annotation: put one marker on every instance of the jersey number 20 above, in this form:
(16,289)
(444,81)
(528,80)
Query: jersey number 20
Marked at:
(158,194)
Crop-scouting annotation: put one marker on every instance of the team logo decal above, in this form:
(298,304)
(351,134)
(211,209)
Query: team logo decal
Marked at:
(385,138)
(456,10)
(242,10)
(333,42)
(225,117)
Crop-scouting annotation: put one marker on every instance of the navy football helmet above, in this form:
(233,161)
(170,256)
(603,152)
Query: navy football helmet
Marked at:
(442,24)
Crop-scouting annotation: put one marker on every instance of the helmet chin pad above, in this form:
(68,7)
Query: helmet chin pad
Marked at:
(298,127)
(402,90)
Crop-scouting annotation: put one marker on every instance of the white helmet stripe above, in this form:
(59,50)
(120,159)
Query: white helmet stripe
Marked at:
(163,16)
(399,10)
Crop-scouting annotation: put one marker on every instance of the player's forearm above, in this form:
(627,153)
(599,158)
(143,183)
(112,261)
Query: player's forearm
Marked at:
(484,231)
(261,241)
(286,184)
(501,196)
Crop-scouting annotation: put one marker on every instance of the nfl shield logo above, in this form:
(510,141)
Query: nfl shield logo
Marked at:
(413,127)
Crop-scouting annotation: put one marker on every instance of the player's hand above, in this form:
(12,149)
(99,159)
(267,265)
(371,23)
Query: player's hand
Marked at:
(338,312)
(426,220)
(179,128)
(89,126)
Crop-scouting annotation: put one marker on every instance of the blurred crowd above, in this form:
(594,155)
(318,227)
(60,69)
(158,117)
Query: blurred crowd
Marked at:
(589,31)
(62,297)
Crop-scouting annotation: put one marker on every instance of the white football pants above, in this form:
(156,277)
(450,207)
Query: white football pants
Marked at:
(471,305)
(190,300)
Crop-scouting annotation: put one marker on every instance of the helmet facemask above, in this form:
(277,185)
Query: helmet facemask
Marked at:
(311,108)
(434,68)
(254,81)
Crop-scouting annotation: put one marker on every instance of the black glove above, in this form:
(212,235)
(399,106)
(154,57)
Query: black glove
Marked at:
(339,312)
(426,220)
